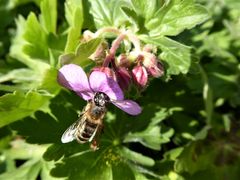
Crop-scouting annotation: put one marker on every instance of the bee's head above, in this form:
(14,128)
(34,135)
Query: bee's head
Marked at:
(100,99)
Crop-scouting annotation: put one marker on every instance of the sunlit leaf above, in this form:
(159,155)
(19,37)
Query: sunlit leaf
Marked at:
(33,166)
(81,56)
(19,105)
(16,50)
(74,16)
(49,15)
(36,38)
(107,13)
(176,56)
(175,16)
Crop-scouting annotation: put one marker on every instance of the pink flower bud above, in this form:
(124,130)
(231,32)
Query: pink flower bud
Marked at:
(123,78)
(123,61)
(150,48)
(152,64)
(156,70)
(140,75)
(108,71)
(133,56)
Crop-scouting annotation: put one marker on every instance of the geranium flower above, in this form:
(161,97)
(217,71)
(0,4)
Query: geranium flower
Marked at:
(73,77)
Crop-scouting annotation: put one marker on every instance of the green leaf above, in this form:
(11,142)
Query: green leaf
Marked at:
(175,16)
(33,166)
(140,12)
(136,157)
(17,3)
(176,56)
(191,160)
(22,79)
(107,13)
(33,128)
(49,15)
(74,16)
(173,154)
(16,49)
(83,51)
(49,82)
(19,105)
(28,170)
(19,76)
(207,96)
(131,15)
(144,8)
(168,18)
(151,136)
(37,46)
(106,164)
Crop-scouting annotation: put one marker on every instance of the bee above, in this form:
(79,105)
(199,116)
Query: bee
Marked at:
(90,123)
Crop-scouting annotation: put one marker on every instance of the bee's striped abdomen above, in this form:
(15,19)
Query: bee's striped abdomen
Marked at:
(86,131)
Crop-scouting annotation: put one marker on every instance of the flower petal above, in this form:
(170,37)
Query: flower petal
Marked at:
(99,82)
(129,106)
(73,77)
(140,76)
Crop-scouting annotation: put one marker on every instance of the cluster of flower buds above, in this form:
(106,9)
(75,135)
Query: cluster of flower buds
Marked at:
(134,66)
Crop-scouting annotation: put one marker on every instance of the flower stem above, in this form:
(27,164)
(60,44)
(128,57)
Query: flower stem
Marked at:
(116,43)
(134,39)
(107,30)
(109,58)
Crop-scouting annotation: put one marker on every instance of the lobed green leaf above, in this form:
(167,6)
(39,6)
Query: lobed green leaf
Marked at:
(19,105)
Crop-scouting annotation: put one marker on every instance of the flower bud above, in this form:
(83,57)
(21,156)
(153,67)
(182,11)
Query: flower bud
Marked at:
(156,70)
(150,48)
(108,71)
(152,64)
(140,76)
(123,61)
(133,56)
(123,78)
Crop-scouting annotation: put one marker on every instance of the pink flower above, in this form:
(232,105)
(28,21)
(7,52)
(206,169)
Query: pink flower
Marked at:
(73,77)
(140,76)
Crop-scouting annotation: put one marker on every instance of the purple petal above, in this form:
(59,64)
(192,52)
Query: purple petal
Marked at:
(99,82)
(74,78)
(128,106)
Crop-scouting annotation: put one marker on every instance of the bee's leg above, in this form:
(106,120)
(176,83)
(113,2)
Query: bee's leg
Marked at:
(95,142)
(94,145)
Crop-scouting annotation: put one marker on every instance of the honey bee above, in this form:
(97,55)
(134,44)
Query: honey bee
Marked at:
(90,123)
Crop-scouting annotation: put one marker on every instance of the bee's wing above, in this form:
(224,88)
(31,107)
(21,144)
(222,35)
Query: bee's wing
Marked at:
(69,134)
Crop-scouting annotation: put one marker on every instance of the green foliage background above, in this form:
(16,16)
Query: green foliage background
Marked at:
(190,124)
